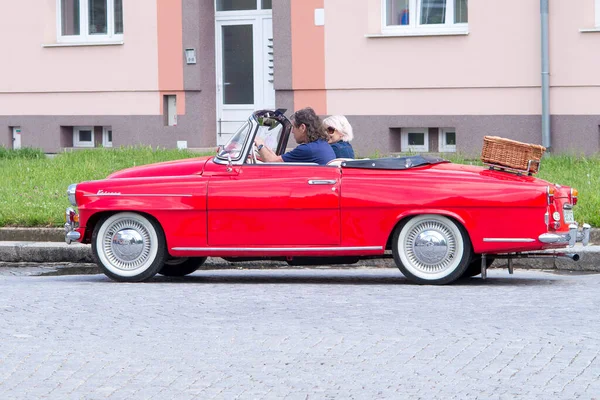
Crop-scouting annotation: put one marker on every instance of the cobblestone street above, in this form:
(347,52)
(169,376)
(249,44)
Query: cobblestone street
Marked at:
(300,334)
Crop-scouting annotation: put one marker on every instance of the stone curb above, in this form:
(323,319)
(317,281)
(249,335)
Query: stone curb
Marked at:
(77,253)
(44,252)
(32,235)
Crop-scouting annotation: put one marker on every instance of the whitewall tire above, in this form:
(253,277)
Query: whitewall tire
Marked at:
(431,249)
(129,247)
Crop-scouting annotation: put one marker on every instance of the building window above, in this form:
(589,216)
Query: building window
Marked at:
(414,140)
(425,16)
(81,21)
(107,136)
(83,136)
(170,109)
(447,140)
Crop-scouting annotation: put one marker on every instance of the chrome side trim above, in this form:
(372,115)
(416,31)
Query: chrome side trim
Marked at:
(137,195)
(509,240)
(276,249)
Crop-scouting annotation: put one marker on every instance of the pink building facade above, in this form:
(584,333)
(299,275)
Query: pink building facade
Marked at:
(411,75)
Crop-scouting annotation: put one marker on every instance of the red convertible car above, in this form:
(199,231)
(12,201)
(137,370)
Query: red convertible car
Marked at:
(441,221)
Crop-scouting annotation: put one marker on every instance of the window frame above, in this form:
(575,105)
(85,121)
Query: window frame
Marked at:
(105,141)
(443,147)
(258,7)
(79,143)
(405,147)
(414,28)
(84,35)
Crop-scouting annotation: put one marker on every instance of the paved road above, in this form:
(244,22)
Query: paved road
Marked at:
(300,334)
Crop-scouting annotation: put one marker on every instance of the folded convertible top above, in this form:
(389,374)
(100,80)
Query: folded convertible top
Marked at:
(394,162)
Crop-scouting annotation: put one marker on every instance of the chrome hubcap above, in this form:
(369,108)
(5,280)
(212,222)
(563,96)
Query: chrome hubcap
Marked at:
(430,246)
(127,244)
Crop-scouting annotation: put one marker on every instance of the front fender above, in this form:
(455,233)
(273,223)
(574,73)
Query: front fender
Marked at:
(178,204)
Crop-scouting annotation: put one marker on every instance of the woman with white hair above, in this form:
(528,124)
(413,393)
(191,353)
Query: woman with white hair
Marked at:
(340,134)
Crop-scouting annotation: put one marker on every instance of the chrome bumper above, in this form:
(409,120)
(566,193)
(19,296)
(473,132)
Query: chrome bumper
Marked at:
(575,235)
(71,235)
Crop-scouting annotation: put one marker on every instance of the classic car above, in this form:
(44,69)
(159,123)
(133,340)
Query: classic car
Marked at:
(439,220)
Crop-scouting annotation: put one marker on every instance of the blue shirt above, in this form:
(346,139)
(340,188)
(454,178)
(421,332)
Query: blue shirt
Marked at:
(343,149)
(319,152)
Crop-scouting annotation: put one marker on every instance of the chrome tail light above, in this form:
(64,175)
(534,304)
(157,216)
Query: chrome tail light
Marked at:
(574,196)
(550,194)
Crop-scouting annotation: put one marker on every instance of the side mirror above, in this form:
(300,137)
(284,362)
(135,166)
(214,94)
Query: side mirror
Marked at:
(229,167)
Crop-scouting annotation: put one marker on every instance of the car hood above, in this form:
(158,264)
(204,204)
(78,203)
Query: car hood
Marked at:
(190,166)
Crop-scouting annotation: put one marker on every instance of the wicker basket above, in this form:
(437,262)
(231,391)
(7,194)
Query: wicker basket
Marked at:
(512,154)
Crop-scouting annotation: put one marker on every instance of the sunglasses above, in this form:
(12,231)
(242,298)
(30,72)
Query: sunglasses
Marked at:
(330,129)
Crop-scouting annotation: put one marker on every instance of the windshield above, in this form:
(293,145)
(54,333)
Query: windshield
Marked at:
(270,133)
(236,144)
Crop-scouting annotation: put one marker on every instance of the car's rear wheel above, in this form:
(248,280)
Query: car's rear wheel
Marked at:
(129,247)
(181,266)
(431,249)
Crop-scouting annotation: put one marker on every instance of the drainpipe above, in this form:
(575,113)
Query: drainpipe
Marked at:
(546,141)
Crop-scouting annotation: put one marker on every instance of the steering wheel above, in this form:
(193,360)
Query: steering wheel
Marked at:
(252,159)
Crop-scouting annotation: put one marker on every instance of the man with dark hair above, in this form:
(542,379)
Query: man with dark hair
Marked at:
(309,133)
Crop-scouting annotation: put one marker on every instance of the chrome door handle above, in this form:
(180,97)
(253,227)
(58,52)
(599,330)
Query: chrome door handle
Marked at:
(322,182)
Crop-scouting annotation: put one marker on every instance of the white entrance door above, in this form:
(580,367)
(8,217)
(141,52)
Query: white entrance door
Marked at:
(16,137)
(244,61)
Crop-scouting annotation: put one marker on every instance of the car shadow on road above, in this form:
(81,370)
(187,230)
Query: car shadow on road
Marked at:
(327,276)
(344,278)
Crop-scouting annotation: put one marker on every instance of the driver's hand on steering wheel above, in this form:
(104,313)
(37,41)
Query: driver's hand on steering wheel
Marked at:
(258,141)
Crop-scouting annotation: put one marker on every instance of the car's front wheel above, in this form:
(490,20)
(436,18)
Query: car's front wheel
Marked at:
(431,249)
(129,247)
(181,266)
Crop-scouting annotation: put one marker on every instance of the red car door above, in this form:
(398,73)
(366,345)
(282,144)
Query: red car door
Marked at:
(275,205)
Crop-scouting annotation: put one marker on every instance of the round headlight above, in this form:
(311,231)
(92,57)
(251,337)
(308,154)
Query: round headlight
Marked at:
(71,194)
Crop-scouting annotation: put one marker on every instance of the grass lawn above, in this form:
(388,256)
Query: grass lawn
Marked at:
(33,190)
(34,187)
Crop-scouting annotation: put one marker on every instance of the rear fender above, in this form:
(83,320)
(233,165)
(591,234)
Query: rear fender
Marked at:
(407,215)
